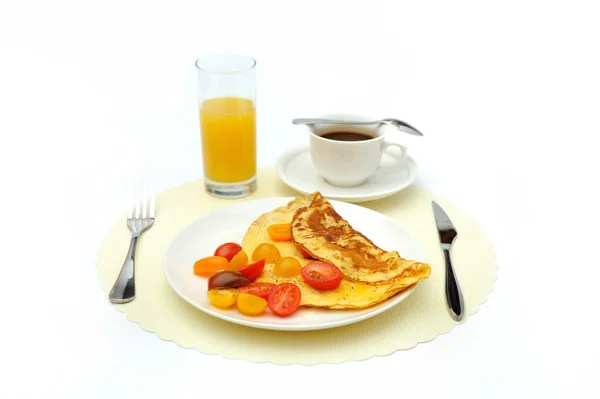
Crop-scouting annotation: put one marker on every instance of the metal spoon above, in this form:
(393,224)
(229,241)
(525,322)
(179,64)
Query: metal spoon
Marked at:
(398,124)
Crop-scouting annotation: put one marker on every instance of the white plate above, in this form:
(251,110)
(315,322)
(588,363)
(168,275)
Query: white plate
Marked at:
(295,168)
(200,238)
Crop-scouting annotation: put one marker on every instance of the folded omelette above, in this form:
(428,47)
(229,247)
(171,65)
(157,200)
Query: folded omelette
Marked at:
(371,275)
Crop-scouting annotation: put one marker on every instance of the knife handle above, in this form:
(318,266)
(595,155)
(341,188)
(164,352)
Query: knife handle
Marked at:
(454,296)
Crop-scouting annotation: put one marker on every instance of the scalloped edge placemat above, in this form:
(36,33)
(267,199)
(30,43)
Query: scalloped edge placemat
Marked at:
(419,318)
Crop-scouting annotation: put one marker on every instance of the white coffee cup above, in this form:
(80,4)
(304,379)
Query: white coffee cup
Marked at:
(351,163)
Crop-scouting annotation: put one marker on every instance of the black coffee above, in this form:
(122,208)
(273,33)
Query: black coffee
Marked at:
(347,136)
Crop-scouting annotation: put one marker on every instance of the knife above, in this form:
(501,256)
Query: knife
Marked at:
(447,234)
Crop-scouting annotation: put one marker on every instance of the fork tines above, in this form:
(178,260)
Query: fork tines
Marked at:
(143,202)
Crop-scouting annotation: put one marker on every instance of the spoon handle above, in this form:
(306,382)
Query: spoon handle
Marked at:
(316,121)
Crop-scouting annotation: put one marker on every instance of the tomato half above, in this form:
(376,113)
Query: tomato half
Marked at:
(239,261)
(206,267)
(251,305)
(223,298)
(266,251)
(280,232)
(228,250)
(321,275)
(259,289)
(285,299)
(227,279)
(304,253)
(288,266)
(253,271)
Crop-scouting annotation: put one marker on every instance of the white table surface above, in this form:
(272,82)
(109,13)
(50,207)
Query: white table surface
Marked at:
(506,94)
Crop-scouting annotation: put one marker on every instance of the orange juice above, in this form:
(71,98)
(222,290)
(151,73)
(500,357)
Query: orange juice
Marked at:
(228,131)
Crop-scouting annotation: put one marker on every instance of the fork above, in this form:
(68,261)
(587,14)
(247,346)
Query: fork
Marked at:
(139,219)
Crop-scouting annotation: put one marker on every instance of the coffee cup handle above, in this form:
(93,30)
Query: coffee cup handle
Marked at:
(393,143)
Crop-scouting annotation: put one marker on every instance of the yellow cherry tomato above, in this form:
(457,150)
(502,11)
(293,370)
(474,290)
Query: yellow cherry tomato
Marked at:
(266,251)
(223,297)
(239,261)
(251,305)
(287,267)
(208,266)
(280,232)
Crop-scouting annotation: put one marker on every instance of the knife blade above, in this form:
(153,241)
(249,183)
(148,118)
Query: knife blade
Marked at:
(447,233)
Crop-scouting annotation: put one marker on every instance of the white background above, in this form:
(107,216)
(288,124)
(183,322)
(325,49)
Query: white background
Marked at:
(506,93)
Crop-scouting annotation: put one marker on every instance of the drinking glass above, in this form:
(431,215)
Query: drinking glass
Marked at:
(227,110)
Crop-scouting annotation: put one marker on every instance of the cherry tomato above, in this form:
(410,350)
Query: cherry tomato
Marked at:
(266,251)
(259,289)
(280,232)
(304,253)
(223,297)
(321,275)
(239,261)
(227,280)
(228,250)
(287,266)
(253,271)
(251,305)
(285,299)
(208,266)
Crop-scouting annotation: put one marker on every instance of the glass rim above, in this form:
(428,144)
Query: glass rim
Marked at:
(228,71)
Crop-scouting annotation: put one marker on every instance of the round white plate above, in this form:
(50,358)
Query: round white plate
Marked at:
(295,168)
(200,238)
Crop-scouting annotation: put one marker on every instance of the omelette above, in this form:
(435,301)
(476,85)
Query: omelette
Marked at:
(350,294)
(322,232)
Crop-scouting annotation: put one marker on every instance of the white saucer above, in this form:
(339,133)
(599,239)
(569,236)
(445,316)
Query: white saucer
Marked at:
(295,168)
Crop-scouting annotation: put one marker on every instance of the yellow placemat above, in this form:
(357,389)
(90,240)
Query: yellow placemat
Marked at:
(419,318)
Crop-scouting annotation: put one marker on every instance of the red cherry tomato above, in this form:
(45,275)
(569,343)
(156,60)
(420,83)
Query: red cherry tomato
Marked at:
(259,289)
(228,250)
(285,299)
(304,253)
(321,275)
(254,270)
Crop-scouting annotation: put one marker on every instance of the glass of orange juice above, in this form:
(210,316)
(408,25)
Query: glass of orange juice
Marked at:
(227,110)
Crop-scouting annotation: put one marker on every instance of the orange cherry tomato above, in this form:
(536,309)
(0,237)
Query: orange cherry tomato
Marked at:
(239,261)
(280,232)
(251,305)
(266,251)
(208,266)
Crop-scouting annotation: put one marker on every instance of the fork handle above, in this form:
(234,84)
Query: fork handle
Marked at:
(124,289)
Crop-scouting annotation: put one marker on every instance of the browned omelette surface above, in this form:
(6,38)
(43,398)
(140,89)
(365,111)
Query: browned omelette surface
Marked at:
(322,232)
